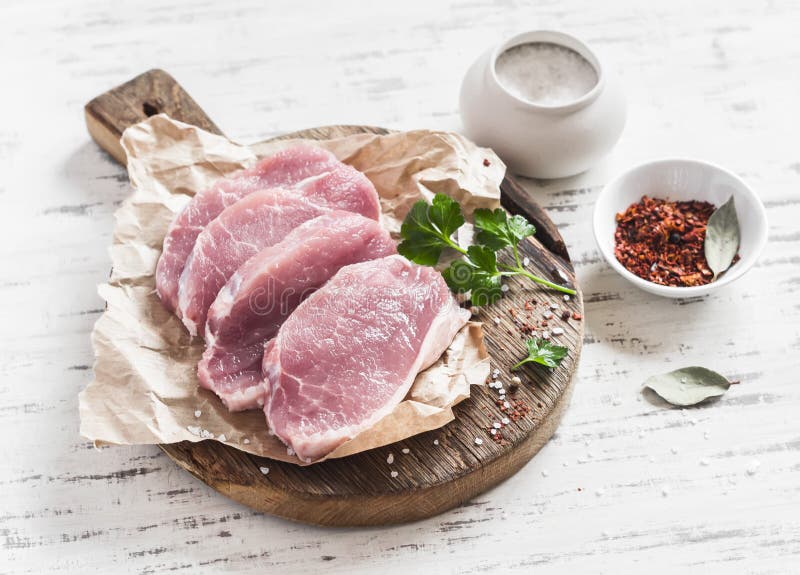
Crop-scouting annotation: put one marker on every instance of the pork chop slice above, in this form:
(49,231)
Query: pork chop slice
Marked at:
(350,352)
(284,169)
(257,221)
(259,296)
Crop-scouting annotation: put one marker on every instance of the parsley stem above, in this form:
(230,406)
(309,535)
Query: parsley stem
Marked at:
(516,256)
(512,271)
(526,360)
(454,245)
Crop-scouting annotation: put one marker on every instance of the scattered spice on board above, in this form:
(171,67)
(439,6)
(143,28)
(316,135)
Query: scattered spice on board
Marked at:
(662,241)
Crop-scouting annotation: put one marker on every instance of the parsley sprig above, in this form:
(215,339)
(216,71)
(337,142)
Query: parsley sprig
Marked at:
(428,229)
(543,352)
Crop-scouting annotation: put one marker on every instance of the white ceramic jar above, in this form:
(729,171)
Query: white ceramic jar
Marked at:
(537,140)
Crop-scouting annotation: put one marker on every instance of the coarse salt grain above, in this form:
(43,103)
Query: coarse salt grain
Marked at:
(545,73)
(478,441)
(497,321)
(206,434)
(516,380)
(547,315)
(566,297)
(246,441)
(406,450)
(545,334)
(193,429)
(493,431)
(497,425)
(198,413)
(390,459)
(264,470)
(394,474)
(545,473)
(705,462)
(558,331)
(506,404)
(753,466)
(504,288)
(674,450)
(222,437)
(289,451)
(526,261)
(505,420)
(554,306)
(436,442)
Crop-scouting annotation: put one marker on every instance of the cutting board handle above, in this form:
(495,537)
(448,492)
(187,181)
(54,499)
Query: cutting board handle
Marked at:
(148,94)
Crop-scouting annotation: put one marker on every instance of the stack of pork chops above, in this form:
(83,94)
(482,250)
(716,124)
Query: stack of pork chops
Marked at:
(307,311)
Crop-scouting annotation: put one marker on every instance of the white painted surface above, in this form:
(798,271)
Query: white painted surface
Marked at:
(712,79)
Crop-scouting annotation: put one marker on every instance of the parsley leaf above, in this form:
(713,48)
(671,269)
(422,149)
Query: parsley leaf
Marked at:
(478,274)
(426,230)
(543,352)
(497,230)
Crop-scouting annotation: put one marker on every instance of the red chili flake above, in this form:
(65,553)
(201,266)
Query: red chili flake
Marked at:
(486,162)
(528,306)
(662,241)
(516,409)
(576,316)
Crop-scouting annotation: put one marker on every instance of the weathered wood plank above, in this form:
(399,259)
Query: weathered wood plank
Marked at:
(717,85)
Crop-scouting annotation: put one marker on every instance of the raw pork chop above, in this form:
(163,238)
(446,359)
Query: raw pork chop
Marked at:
(257,221)
(286,168)
(267,288)
(350,352)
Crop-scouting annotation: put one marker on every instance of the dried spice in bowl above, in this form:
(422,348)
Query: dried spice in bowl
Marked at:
(662,241)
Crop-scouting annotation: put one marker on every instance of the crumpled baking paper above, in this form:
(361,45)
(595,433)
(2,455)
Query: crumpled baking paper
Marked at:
(145,388)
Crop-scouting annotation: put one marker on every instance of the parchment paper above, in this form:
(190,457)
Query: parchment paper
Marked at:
(145,385)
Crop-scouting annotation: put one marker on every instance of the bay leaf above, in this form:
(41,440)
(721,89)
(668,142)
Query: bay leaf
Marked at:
(688,385)
(722,238)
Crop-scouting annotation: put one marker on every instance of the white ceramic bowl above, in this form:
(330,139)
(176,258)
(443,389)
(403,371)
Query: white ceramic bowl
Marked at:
(681,180)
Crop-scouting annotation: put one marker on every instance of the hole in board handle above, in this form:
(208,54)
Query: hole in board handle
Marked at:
(149,109)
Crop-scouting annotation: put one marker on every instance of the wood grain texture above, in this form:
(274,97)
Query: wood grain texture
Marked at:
(150,93)
(430,477)
(702,80)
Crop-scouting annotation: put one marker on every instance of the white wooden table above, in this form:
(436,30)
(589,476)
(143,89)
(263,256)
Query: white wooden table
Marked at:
(624,487)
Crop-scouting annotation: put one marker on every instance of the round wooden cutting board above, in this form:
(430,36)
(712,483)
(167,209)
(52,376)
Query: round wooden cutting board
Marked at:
(440,469)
